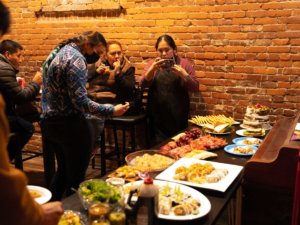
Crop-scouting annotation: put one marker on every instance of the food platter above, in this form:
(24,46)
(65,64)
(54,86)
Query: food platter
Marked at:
(241,133)
(203,210)
(247,141)
(221,185)
(41,195)
(128,173)
(149,160)
(231,149)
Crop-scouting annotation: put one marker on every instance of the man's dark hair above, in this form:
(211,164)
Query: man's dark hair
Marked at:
(5,19)
(10,46)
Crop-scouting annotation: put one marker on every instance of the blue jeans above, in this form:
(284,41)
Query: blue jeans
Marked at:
(71,139)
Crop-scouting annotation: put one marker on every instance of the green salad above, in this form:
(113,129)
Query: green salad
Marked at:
(98,190)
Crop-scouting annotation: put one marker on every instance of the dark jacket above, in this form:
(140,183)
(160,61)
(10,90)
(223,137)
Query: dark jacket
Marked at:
(123,86)
(11,90)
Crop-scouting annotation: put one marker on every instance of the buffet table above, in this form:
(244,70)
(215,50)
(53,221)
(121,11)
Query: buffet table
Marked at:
(219,200)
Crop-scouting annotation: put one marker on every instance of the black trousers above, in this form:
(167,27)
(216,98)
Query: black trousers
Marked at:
(22,131)
(70,138)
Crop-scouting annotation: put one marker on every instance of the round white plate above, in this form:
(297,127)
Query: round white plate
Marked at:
(204,208)
(241,133)
(230,149)
(250,139)
(45,193)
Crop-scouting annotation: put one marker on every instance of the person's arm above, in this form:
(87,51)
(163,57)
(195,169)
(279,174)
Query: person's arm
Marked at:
(148,74)
(18,207)
(187,73)
(77,78)
(12,89)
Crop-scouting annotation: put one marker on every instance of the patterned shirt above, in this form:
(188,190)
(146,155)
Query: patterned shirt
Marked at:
(64,92)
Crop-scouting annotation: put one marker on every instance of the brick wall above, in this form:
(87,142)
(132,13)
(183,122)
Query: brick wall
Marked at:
(243,50)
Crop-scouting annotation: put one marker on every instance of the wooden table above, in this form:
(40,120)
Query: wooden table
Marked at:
(219,201)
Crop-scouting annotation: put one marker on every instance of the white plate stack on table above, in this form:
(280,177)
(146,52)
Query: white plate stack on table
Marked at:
(256,120)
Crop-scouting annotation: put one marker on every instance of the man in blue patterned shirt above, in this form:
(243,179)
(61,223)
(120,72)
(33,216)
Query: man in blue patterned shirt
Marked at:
(66,129)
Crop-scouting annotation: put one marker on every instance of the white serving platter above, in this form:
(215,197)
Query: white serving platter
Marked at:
(204,208)
(221,185)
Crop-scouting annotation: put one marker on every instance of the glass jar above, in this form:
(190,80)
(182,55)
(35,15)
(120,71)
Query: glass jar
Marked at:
(98,211)
(118,184)
(117,215)
(101,221)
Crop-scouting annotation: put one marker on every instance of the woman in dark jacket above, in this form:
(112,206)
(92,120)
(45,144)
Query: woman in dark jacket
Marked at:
(116,74)
(169,78)
(11,56)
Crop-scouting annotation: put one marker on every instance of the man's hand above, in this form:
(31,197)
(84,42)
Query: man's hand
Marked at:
(52,213)
(120,109)
(117,66)
(38,78)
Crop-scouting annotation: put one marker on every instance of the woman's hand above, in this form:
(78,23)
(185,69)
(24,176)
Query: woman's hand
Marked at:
(120,109)
(51,213)
(154,67)
(180,71)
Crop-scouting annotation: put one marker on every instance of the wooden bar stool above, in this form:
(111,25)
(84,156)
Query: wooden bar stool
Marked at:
(123,124)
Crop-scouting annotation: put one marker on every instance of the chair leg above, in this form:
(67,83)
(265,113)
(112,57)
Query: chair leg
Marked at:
(147,135)
(132,134)
(123,146)
(103,154)
(93,161)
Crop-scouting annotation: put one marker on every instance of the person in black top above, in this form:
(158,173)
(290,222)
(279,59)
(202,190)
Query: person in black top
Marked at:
(11,56)
(169,78)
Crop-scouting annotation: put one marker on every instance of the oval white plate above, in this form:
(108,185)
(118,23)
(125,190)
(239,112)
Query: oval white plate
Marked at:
(242,139)
(45,194)
(230,148)
(241,133)
(204,208)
